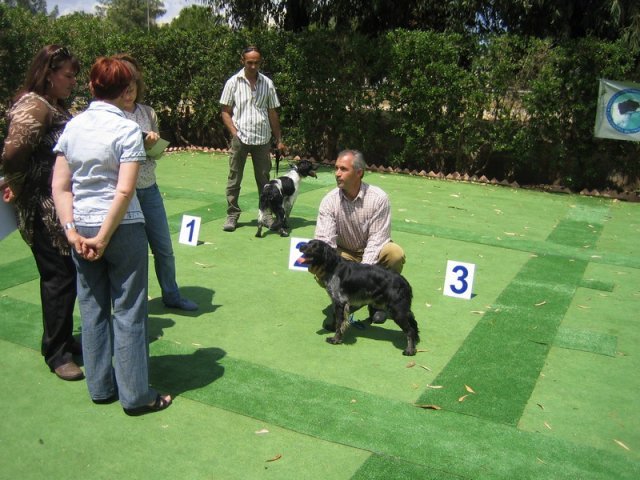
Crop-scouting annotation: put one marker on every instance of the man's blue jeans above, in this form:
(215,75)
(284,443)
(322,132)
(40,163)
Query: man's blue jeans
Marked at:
(157,228)
(112,296)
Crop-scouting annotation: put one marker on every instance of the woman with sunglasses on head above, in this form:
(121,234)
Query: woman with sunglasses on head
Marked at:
(94,190)
(155,216)
(36,120)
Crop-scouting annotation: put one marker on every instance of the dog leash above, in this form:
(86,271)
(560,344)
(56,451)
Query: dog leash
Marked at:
(356,323)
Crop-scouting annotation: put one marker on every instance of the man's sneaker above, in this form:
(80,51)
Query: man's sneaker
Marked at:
(230,224)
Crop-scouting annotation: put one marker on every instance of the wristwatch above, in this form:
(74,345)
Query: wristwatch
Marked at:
(69,226)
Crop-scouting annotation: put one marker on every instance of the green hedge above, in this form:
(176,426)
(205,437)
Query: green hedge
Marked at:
(505,106)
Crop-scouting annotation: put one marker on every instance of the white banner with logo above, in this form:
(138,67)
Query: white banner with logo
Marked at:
(618,115)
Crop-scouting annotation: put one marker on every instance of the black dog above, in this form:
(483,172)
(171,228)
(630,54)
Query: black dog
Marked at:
(279,195)
(352,284)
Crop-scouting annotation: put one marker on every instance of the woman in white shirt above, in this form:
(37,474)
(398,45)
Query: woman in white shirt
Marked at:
(94,182)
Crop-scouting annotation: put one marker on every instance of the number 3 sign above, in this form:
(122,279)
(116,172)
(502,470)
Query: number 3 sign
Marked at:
(458,281)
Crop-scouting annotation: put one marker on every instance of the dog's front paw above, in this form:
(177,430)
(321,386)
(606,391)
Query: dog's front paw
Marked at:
(409,352)
(284,233)
(334,340)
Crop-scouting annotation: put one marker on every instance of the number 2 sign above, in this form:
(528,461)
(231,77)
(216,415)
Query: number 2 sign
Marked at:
(295,254)
(458,281)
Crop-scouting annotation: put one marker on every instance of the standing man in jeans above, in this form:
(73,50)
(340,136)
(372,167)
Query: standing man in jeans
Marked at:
(249,103)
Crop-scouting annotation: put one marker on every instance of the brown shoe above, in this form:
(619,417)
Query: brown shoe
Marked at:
(69,371)
(230,224)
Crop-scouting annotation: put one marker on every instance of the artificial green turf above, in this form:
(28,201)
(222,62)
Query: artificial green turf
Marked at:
(548,267)
(594,342)
(337,414)
(50,429)
(18,271)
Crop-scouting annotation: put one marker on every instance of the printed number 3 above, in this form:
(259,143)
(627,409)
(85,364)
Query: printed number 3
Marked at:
(463,274)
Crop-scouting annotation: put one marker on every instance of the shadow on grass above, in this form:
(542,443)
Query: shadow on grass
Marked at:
(391,332)
(156,327)
(294,223)
(182,373)
(202,296)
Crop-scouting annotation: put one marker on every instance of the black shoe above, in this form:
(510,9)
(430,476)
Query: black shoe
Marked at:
(105,401)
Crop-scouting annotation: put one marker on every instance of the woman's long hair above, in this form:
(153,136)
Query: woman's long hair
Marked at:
(49,59)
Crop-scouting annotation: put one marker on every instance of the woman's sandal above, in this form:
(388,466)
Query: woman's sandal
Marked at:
(160,403)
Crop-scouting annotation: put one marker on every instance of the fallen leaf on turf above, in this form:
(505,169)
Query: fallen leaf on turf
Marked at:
(510,234)
(262,432)
(428,407)
(540,405)
(353,400)
(203,265)
(434,386)
(461,399)
(469,389)
(477,312)
(425,367)
(621,444)
(540,303)
(422,350)
(583,306)
(540,460)
(410,364)
(547,425)
(277,457)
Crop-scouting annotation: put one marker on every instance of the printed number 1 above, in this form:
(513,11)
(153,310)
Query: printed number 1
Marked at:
(464,273)
(191,226)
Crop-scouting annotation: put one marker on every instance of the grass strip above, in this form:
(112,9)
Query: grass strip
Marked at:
(586,341)
(501,359)
(496,368)
(18,272)
(597,285)
(433,443)
(382,467)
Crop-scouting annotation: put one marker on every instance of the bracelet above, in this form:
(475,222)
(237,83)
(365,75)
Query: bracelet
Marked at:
(69,226)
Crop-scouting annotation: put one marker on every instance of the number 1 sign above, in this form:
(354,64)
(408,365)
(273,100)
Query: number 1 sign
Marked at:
(190,230)
(458,281)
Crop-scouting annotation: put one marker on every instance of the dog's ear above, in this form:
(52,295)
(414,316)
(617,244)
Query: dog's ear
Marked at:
(328,254)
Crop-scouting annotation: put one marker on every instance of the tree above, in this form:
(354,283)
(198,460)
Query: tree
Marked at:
(131,14)
(605,19)
(34,6)
(196,18)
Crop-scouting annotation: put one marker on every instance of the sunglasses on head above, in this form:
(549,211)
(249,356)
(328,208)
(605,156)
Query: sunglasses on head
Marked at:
(58,53)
